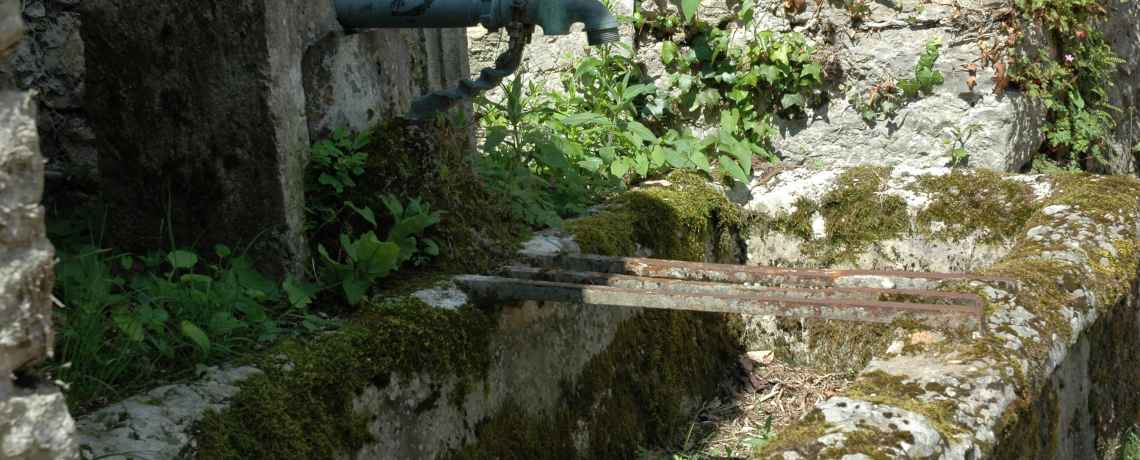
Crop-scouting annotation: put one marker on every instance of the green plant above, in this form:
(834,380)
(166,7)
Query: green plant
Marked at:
(1070,78)
(883,98)
(176,315)
(1129,446)
(332,165)
(765,436)
(339,159)
(957,152)
(367,258)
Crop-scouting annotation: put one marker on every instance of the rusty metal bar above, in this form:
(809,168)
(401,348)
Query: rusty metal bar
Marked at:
(771,276)
(663,284)
(496,289)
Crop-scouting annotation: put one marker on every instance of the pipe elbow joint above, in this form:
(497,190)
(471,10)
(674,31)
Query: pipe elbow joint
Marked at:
(556,16)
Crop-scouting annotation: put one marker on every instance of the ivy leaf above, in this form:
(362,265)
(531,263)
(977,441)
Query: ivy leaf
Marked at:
(770,73)
(910,87)
(791,99)
(685,82)
(813,68)
(668,52)
(781,54)
(689,8)
(868,114)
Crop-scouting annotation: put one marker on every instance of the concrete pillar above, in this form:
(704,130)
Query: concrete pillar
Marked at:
(34,422)
(201,117)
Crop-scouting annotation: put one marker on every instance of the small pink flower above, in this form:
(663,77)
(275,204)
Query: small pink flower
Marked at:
(552,182)
(482,184)
(1069,58)
(1082,35)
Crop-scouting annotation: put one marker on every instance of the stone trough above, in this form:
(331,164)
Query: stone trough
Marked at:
(1048,369)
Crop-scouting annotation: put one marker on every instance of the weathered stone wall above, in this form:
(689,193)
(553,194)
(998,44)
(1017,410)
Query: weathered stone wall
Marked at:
(1122,32)
(34,423)
(884,47)
(50,61)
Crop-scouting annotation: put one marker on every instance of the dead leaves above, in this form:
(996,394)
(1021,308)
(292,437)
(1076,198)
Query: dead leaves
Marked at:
(973,78)
(1001,80)
(792,6)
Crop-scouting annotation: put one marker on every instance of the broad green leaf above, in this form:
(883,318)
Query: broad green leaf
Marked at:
(131,326)
(668,52)
(553,156)
(354,288)
(494,138)
(182,259)
(657,154)
(366,213)
(195,277)
(128,262)
(698,158)
(733,168)
(685,82)
(619,168)
(641,130)
(689,8)
(585,66)
(431,247)
(580,118)
(728,121)
(196,334)
(634,91)
(402,235)
(641,164)
(607,154)
(300,294)
(333,272)
(675,159)
(377,258)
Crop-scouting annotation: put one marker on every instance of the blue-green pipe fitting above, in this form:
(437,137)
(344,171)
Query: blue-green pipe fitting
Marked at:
(554,16)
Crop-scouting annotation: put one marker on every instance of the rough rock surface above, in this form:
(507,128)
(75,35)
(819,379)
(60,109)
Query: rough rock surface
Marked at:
(50,61)
(1024,383)
(885,47)
(1122,31)
(157,425)
(34,423)
(357,80)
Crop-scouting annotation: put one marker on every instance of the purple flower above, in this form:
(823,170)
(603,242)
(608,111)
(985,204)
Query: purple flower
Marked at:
(551,182)
(1069,58)
(482,184)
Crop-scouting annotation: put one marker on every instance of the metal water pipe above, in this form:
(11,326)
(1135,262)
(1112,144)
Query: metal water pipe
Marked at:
(518,17)
(554,16)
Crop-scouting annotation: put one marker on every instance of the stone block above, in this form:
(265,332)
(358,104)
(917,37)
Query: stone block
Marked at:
(34,423)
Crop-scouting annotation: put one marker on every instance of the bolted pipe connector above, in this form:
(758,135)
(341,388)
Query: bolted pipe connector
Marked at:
(554,16)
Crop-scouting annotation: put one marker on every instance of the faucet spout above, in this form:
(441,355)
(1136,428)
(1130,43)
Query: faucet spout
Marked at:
(556,16)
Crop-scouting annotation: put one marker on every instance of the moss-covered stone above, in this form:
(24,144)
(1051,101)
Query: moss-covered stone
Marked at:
(632,394)
(307,412)
(686,221)
(856,215)
(882,388)
(979,202)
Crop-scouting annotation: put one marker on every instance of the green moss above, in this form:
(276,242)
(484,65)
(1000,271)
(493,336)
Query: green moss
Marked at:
(882,388)
(307,412)
(686,221)
(976,202)
(800,438)
(631,394)
(872,442)
(856,214)
(835,345)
